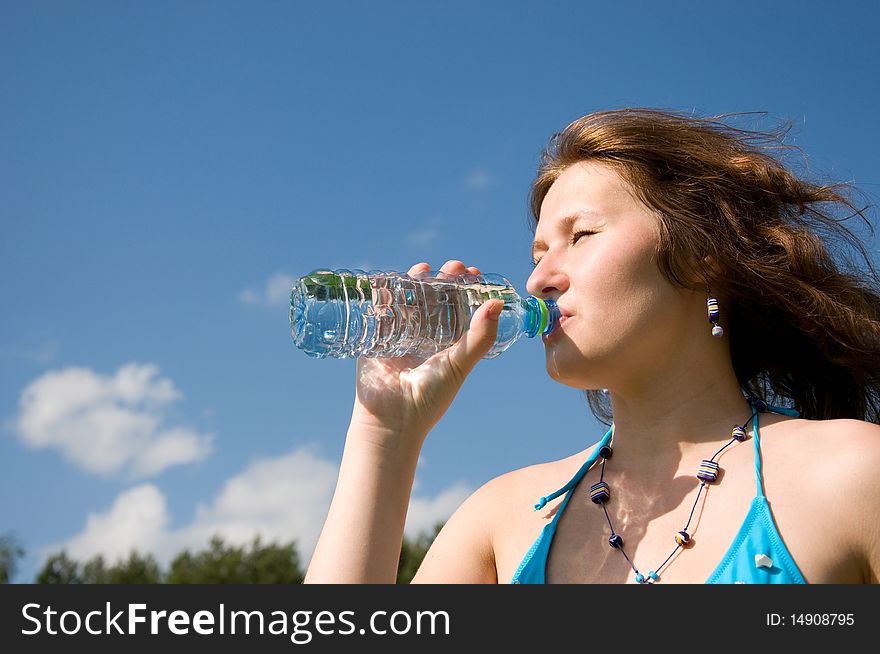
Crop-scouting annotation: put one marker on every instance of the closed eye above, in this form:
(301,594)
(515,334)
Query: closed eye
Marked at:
(577,235)
(573,240)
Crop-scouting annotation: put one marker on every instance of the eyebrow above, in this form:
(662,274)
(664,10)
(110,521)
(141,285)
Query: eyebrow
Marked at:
(564,225)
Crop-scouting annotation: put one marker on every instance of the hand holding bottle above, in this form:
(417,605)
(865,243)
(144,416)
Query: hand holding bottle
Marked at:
(398,401)
(408,395)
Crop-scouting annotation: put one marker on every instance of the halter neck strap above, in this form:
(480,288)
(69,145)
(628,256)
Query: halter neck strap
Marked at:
(580,473)
(757,439)
(607,439)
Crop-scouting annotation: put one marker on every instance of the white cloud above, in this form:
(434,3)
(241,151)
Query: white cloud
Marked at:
(425,235)
(275,292)
(108,424)
(281,499)
(137,520)
(478,179)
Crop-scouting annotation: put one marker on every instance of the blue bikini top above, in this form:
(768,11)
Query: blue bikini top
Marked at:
(757,555)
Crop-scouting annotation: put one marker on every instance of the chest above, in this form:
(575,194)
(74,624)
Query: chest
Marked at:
(648,518)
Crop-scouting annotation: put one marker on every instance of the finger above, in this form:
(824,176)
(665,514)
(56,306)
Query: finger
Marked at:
(478,339)
(453,267)
(419,267)
(474,270)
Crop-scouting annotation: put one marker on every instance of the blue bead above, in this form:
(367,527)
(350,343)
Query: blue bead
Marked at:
(757,403)
(682,538)
(708,470)
(653,575)
(640,578)
(712,306)
(739,434)
(599,492)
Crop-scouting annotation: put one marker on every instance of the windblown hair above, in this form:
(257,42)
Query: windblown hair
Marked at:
(804,327)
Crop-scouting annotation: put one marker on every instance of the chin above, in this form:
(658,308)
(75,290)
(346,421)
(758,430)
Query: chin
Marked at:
(570,374)
(573,369)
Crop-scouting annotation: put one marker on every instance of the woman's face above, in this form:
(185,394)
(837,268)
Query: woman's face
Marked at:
(625,321)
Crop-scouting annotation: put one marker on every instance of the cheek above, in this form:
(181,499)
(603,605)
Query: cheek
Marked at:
(623,324)
(622,281)
(622,298)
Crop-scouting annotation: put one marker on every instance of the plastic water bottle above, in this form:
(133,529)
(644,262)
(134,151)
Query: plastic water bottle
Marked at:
(352,313)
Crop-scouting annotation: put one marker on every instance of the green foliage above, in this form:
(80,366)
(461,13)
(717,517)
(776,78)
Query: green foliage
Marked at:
(413,552)
(137,569)
(224,564)
(218,564)
(94,571)
(60,569)
(10,552)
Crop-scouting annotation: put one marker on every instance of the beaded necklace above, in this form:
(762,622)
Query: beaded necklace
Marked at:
(707,473)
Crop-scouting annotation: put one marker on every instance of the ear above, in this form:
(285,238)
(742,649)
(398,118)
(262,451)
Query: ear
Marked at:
(711,267)
(703,272)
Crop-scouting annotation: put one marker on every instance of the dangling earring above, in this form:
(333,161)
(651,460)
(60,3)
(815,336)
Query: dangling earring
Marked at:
(712,305)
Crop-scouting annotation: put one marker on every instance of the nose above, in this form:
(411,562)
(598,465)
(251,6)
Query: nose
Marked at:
(546,280)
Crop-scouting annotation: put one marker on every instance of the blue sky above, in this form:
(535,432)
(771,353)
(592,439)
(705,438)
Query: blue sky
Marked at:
(168,168)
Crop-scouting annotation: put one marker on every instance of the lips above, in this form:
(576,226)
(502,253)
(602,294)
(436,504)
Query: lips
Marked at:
(563,314)
(563,318)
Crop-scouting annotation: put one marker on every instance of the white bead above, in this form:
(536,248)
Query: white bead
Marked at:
(763,561)
(717,331)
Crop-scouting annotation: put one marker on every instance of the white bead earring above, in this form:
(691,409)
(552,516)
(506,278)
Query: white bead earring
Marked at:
(712,306)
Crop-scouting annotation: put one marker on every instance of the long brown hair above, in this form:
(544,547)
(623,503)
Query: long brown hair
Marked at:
(804,328)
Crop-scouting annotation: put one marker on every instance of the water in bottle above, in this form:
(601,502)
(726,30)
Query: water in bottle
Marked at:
(352,313)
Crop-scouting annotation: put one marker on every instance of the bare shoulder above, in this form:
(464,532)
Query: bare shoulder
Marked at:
(857,459)
(516,521)
(481,540)
(508,500)
(843,446)
(831,466)
(517,492)
(842,452)
(837,442)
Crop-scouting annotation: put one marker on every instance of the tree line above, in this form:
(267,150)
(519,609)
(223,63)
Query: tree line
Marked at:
(218,563)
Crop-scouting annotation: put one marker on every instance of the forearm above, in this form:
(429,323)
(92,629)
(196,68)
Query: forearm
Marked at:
(362,536)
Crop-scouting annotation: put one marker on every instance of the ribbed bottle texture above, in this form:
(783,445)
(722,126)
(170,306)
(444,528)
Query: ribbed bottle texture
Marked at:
(352,313)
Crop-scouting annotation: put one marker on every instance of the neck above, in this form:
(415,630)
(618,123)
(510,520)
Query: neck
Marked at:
(657,426)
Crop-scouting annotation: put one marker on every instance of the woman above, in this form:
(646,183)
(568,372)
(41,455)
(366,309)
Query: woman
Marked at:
(646,220)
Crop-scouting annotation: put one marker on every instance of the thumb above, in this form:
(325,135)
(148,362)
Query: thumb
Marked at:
(479,337)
